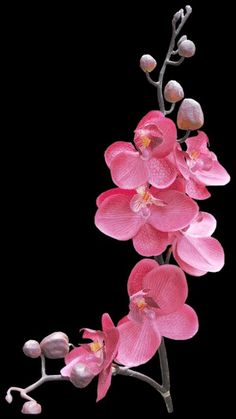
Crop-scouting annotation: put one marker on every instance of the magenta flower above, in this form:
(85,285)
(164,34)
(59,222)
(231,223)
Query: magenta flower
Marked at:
(88,360)
(199,167)
(145,215)
(155,138)
(157,297)
(195,251)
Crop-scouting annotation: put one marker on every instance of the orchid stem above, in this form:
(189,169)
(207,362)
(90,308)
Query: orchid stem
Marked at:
(175,32)
(165,375)
(43,366)
(159,259)
(158,387)
(180,15)
(24,391)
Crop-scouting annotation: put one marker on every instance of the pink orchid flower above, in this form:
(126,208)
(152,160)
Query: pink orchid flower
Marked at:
(155,138)
(199,167)
(157,296)
(88,360)
(145,215)
(195,251)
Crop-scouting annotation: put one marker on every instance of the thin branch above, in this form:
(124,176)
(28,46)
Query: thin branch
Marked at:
(23,391)
(175,32)
(159,259)
(135,374)
(168,255)
(165,375)
(171,109)
(184,138)
(175,63)
(43,366)
(149,79)
(160,388)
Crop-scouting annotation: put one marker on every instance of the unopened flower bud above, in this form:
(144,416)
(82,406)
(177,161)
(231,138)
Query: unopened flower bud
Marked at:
(188,9)
(173,92)
(190,115)
(81,376)
(183,38)
(178,15)
(32,349)
(55,346)
(31,408)
(9,398)
(147,63)
(186,48)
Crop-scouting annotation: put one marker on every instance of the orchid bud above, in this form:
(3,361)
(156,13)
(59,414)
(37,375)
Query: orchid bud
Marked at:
(55,346)
(31,408)
(81,376)
(147,63)
(190,115)
(173,92)
(9,398)
(186,48)
(183,38)
(32,349)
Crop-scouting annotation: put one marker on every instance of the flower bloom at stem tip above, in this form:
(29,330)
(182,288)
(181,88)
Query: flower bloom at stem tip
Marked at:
(95,358)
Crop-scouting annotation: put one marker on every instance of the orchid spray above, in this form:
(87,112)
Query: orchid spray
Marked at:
(158,177)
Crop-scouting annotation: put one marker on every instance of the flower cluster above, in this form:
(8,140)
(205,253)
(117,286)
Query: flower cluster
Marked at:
(158,179)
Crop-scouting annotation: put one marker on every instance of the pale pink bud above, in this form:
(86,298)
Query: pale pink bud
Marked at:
(9,398)
(31,408)
(55,346)
(183,38)
(32,349)
(147,63)
(81,376)
(190,115)
(173,91)
(186,48)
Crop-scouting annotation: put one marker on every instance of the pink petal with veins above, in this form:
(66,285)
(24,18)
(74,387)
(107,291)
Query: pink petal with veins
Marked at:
(115,218)
(177,214)
(138,343)
(167,286)
(180,325)
(149,241)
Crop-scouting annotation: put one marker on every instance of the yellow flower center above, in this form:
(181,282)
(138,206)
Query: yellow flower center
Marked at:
(141,303)
(95,346)
(145,141)
(146,197)
(194,154)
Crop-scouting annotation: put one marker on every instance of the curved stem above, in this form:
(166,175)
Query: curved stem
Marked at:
(135,374)
(164,391)
(175,32)
(176,63)
(23,391)
(149,79)
(184,138)
(171,109)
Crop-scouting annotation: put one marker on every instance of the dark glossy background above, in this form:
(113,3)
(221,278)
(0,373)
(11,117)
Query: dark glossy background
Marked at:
(70,92)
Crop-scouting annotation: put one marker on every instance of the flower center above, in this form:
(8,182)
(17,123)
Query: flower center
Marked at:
(145,141)
(141,304)
(142,200)
(194,154)
(95,346)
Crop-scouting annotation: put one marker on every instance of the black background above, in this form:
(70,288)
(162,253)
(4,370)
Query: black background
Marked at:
(73,86)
